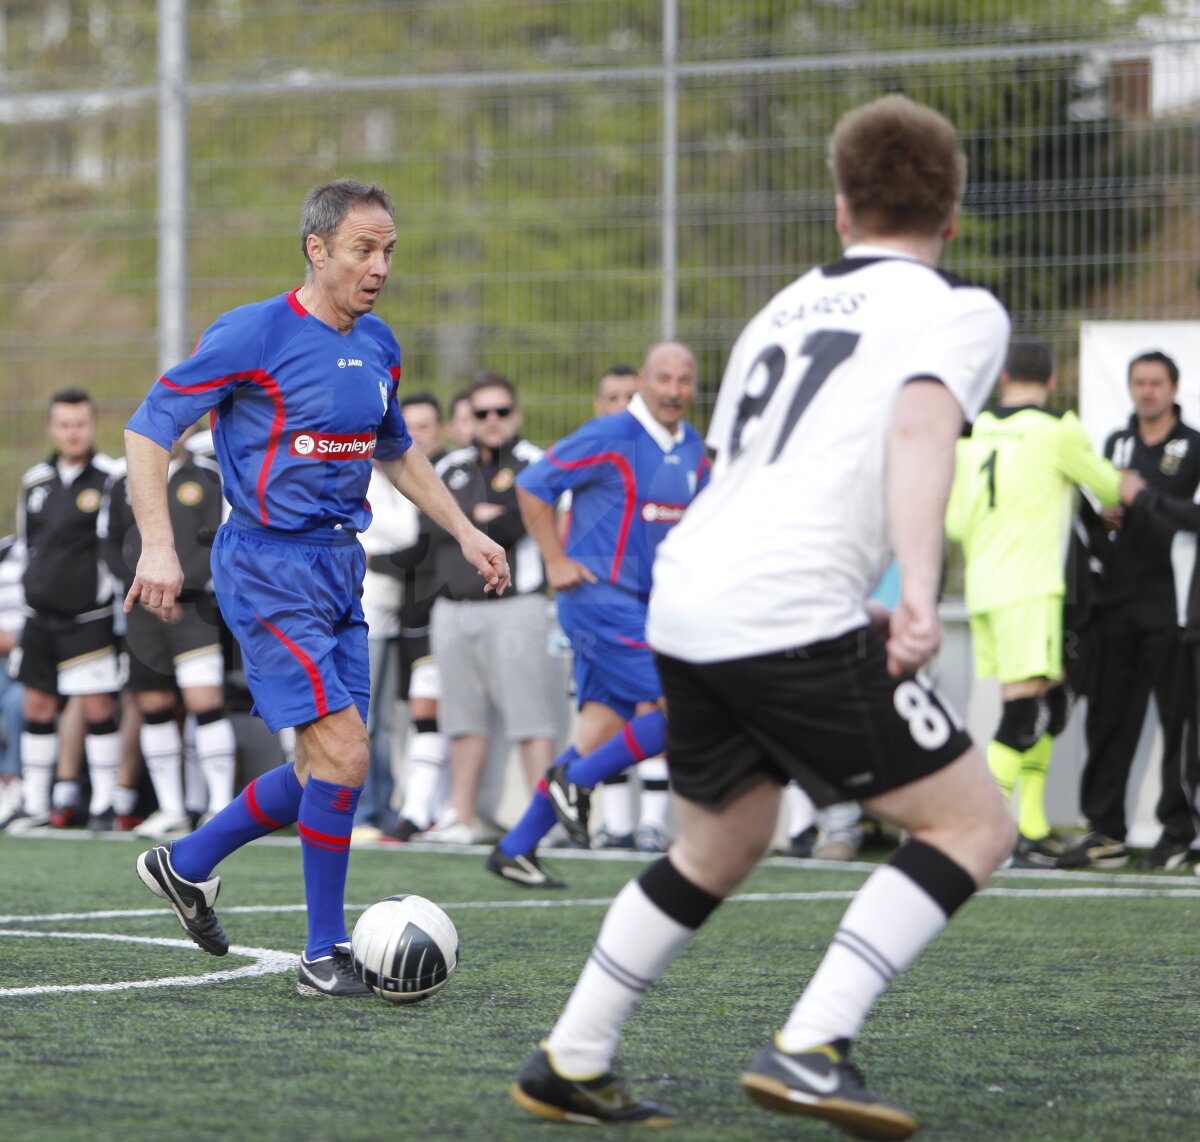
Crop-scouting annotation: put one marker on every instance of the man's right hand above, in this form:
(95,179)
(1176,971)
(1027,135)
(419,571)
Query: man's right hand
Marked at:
(1131,484)
(566,574)
(157,583)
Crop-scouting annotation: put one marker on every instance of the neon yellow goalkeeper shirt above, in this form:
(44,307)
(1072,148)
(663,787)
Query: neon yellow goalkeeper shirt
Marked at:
(1012,499)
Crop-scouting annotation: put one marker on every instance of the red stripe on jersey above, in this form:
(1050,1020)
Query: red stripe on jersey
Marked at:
(325,841)
(626,473)
(633,642)
(293,299)
(268,382)
(310,667)
(251,802)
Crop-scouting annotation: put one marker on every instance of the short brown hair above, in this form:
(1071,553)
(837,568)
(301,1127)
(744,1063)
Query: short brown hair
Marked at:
(899,166)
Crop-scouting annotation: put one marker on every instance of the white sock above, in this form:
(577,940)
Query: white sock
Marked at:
(801,812)
(124,801)
(655,803)
(888,924)
(195,788)
(616,807)
(66,795)
(216,751)
(103,758)
(39,754)
(287,741)
(422,786)
(162,747)
(636,944)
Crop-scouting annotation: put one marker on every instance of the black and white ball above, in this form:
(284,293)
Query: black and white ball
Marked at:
(405,948)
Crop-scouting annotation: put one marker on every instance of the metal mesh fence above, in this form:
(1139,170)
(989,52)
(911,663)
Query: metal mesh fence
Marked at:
(552,162)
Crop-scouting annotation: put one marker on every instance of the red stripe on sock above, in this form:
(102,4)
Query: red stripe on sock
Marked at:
(631,743)
(322,840)
(251,802)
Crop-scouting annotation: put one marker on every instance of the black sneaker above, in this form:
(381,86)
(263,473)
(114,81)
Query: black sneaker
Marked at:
(801,844)
(1042,853)
(1097,850)
(401,832)
(104,822)
(525,870)
(571,803)
(822,1084)
(1167,854)
(606,840)
(192,902)
(540,1090)
(330,976)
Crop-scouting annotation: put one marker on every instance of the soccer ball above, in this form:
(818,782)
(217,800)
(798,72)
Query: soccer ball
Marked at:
(404,948)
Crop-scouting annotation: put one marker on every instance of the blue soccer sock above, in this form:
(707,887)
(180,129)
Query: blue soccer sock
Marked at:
(538,819)
(643,737)
(268,803)
(326,818)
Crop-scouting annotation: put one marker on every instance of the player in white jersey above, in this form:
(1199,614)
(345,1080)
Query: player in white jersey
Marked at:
(835,433)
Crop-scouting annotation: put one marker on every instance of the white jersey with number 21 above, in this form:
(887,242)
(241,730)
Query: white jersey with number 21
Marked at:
(791,536)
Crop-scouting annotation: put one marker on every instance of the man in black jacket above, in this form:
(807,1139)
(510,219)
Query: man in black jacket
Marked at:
(492,652)
(1134,632)
(67,647)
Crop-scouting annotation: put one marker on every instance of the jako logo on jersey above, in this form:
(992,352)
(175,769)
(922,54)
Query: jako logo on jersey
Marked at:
(349,363)
(323,446)
(341,800)
(662,513)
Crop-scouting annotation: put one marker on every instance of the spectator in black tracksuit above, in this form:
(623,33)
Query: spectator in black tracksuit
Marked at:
(1134,634)
(492,652)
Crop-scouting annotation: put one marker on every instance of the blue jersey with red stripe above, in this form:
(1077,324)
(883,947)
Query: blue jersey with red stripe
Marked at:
(630,482)
(298,411)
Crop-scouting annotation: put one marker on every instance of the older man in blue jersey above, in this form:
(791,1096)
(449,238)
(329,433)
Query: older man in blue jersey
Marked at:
(631,476)
(302,390)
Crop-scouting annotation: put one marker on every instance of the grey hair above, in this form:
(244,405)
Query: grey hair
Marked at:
(326,206)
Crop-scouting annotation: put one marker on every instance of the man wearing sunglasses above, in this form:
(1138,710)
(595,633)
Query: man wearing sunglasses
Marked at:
(491,657)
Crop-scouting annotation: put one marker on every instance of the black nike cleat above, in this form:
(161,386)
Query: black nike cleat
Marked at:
(822,1084)
(524,869)
(571,803)
(192,902)
(591,1102)
(331,976)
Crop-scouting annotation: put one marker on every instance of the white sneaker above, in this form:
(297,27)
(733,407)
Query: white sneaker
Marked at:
(450,831)
(160,826)
(28,823)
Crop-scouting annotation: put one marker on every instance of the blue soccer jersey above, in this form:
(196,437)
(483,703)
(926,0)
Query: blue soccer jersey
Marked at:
(630,482)
(298,411)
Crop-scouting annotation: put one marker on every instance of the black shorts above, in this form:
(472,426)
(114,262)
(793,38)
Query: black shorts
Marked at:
(64,656)
(158,651)
(827,715)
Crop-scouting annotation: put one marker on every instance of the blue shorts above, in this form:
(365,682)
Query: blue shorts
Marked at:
(613,663)
(294,603)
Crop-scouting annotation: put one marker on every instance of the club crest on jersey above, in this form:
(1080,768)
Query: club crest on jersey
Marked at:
(88,500)
(383,394)
(331,446)
(1173,452)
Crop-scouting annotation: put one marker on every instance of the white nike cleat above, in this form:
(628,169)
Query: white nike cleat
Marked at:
(820,1083)
(192,901)
(160,826)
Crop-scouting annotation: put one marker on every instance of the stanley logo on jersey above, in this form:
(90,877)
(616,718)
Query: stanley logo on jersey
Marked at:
(662,513)
(329,446)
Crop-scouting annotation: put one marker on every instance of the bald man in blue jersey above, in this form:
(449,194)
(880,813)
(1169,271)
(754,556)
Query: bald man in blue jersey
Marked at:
(302,394)
(631,476)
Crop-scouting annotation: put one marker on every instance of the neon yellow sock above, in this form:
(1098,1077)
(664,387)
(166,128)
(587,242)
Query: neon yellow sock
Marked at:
(1031,795)
(1005,764)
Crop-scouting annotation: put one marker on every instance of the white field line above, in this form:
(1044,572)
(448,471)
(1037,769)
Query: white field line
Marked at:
(266,962)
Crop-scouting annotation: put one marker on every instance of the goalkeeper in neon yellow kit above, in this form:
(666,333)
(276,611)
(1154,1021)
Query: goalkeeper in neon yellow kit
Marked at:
(1010,508)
